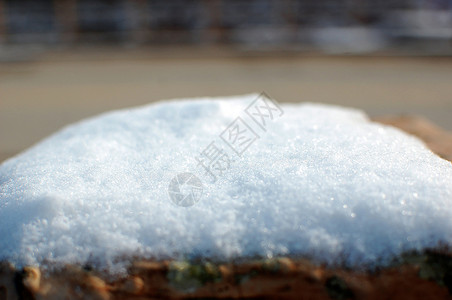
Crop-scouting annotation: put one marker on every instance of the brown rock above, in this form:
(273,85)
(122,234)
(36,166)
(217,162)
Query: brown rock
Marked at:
(7,286)
(132,285)
(73,283)
(32,278)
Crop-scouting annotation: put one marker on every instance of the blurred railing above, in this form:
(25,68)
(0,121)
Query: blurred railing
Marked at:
(354,26)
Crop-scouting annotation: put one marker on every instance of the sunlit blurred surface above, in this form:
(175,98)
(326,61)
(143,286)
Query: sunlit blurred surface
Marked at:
(62,61)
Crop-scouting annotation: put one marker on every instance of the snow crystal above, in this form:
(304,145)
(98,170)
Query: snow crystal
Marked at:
(318,180)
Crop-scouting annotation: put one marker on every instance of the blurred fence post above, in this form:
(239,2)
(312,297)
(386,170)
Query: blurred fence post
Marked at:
(140,24)
(213,32)
(66,19)
(3,30)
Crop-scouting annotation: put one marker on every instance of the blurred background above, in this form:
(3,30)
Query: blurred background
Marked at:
(62,61)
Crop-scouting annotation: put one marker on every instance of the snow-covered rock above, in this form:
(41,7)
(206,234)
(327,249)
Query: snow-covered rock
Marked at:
(303,179)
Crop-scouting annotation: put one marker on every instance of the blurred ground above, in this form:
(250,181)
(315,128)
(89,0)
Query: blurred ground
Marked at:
(40,95)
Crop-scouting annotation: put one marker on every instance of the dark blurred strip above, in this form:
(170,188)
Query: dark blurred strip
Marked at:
(343,26)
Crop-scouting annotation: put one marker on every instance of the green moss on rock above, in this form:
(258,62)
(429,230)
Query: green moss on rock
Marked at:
(188,277)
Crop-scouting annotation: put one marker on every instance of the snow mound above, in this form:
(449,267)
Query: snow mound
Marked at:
(305,179)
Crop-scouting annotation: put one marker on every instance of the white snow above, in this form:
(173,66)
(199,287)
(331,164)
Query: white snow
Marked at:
(322,181)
